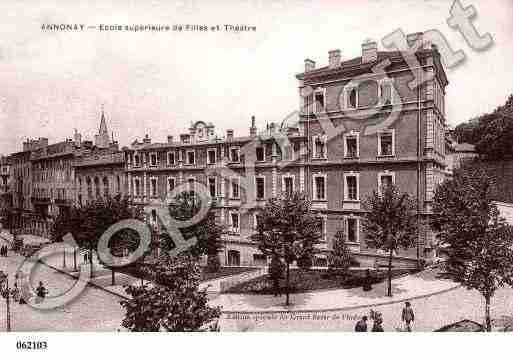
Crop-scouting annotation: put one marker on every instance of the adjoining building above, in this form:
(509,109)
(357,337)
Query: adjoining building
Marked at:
(5,187)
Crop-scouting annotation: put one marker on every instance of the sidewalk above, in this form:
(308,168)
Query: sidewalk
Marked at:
(423,284)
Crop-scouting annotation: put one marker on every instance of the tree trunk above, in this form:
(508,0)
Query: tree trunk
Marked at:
(487,314)
(287,302)
(389,293)
(113,275)
(91,262)
(75,258)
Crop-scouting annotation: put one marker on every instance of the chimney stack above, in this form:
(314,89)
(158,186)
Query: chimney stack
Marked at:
(253,129)
(169,139)
(229,135)
(334,58)
(77,137)
(369,51)
(309,65)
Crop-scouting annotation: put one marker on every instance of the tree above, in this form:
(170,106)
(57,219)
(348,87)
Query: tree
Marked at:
(276,270)
(390,223)
(87,224)
(477,241)
(287,230)
(172,302)
(490,132)
(207,231)
(340,258)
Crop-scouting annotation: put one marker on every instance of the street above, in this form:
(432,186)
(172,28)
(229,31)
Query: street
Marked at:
(93,310)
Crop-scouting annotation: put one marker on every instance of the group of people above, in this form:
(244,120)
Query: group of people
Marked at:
(3,251)
(407,317)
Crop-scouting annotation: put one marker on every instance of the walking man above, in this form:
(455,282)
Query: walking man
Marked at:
(361,325)
(41,292)
(408,316)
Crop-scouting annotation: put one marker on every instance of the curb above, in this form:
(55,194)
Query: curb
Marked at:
(341,308)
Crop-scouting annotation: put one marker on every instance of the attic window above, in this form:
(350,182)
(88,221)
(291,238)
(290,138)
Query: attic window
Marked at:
(319,99)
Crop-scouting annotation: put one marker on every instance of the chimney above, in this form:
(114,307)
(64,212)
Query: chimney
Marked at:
(229,135)
(418,36)
(77,137)
(169,139)
(334,58)
(309,65)
(146,139)
(369,51)
(253,129)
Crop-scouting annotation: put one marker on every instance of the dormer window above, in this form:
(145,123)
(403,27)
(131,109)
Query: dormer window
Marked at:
(191,157)
(351,97)
(319,100)
(385,92)
(153,159)
(170,158)
(260,154)
(234,154)
(211,156)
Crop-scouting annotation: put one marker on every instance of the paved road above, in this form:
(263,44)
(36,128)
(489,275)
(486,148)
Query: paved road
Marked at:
(94,310)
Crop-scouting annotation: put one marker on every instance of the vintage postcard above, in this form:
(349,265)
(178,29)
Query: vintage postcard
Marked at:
(242,166)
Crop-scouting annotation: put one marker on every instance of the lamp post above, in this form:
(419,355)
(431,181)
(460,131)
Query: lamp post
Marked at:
(6,293)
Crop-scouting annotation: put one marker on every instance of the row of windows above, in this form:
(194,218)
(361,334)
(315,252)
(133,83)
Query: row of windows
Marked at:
(234,156)
(93,186)
(350,225)
(368,93)
(386,145)
(351,185)
(59,193)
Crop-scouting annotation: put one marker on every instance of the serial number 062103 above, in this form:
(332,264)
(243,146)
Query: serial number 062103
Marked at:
(31,345)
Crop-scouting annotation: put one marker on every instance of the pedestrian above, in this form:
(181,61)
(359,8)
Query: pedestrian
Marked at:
(361,325)
(85,257)
(16,293)
(408,316)
(41,292)
(377,325)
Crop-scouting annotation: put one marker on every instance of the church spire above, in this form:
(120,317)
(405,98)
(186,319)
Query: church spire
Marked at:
(102,138)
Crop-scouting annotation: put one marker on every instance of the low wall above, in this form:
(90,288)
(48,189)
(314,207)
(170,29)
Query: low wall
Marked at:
(226,284)
(381,260)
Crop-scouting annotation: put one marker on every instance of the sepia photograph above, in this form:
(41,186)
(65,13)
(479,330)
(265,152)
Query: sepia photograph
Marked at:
(229,166)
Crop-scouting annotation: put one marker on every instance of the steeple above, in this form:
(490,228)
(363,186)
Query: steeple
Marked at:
(102,138)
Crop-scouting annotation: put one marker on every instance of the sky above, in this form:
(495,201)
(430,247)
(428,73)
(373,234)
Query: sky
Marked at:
(157,83)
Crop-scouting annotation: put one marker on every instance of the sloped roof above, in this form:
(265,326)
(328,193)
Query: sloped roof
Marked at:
(356,63)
